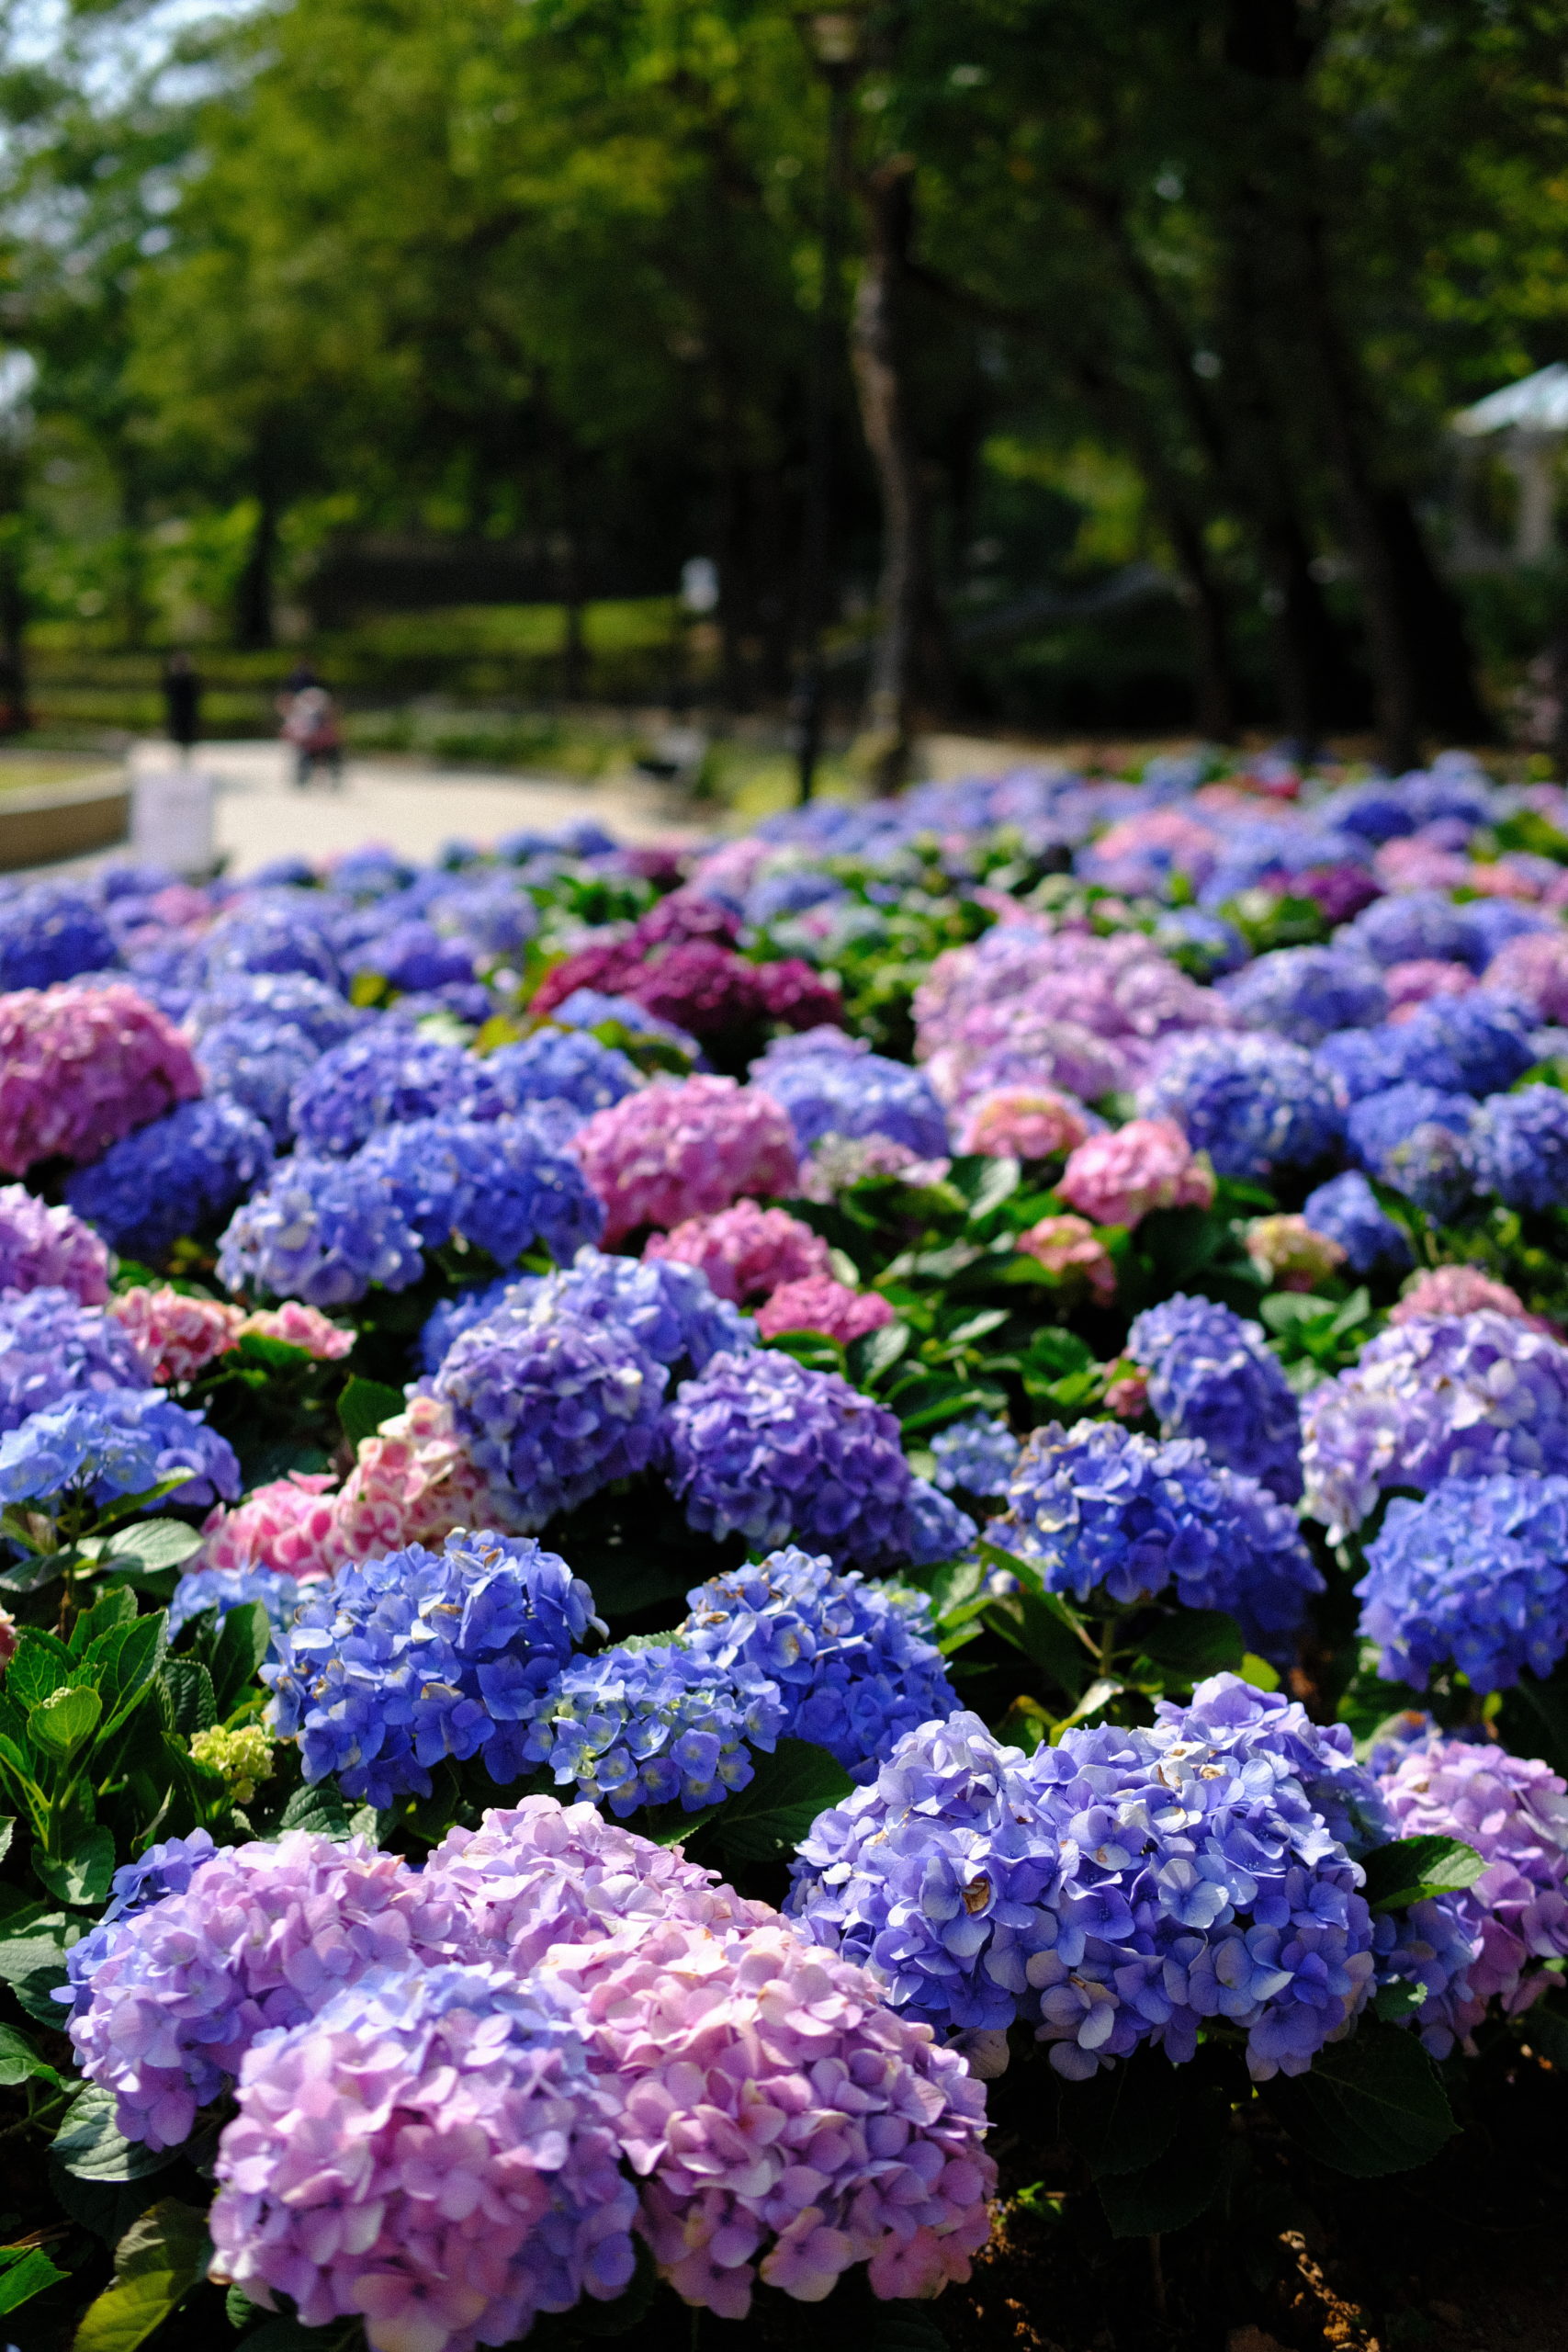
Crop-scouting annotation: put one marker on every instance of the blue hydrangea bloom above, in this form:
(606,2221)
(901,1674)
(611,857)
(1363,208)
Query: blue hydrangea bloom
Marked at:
(1252,1103)
(50,932)
(854,1663)
(556,1408)
(115,1442)
(1098,1511)
(321,1230)
(256,1061)
(181,1174)
(304,1003)
(52,1348)
(413,955)
(226,1589)
(404,1660)
(1493,922)
(978,1454)
(1304,992)
(790,894)
(655,1724)
(934,1528)
(1488,1038)
(563,1065)
(1369,1061)
(1416,1140)
(1520,1146)
(1346,1210)
(855,1095)
(1474,1575)
(762,1447)
(1204,944)
(490,914)
(163,1869)
(492,1183)
(669,1308)
(1213,1376)
(1415,926)
(385,1076)
(280,931)
(592,1008)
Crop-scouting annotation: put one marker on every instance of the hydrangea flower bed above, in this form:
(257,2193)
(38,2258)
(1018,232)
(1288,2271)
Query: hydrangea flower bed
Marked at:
(696,1545)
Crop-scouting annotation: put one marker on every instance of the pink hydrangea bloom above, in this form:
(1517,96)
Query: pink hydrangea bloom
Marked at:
(1117,1178)
(81,1066)
(1534,967)
(1515,1814)
(1069,1246)
(1128,1396)
(288,1524)
(782,2119)
(1461,1290)
(1286,1251)
(821,1304)
(50,1247)
(1024,1123)
(178,1334)
(414,1482)
(673,1151)
(301,1327)
(838,1161)
(1415,983)
(745,1251)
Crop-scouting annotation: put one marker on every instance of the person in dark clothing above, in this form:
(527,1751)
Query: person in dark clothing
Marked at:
(182,701)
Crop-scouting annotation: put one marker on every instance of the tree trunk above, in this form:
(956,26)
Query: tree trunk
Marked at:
(252,600)
(15,717)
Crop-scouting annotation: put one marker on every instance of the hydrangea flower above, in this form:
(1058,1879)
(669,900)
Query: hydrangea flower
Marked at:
(1474,1574)
(1461,1290)
(852,1663)
(863,1094)
(288,1526)
(113,1441)
(1417,982)
(1345,1211)
(655,1724)
(1515,1814)
(555,1406)
(476,2186)
(1437,1397)
(1413,925)
(1213,1376)
(321,1230)
(1534,970)
(52,1348)
(276,931)
(181,1174)
(176,1333)
(795,994)
(685,1150)
(402,1661)
(762,1447)
(385,1076)
(1486,1038)
(703,987)
(492,1183)
(1417,1139)
(1069,1248)
(413,955)
(1519,1147)
(1252,1103)
(225,1588)
(1098,1511)
(820,1302)
(1290,1252)
(257,1062)
(304,1327)
(291,999)
(838,1162)
(414,1481)
(1024,1123)
(1303,993)
(254,1937)
(746,1252)
(50,1248)
(166,1869)
(563,1065)
(1117,1178)
(81,1066)
(241,1758)
(978,1454)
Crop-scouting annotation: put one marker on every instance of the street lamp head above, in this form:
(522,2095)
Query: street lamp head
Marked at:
(834,36)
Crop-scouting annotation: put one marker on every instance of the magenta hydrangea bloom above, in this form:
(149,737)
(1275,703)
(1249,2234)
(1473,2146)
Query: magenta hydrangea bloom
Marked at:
(746,1251)
(685,1150)
(81,1066)
(821,1304)
(431,2154)
(705,988)
(50,1248)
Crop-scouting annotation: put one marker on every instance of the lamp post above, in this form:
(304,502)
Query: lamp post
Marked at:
(834,38)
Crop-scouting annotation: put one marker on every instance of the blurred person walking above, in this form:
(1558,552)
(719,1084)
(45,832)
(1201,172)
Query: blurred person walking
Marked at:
(311,725)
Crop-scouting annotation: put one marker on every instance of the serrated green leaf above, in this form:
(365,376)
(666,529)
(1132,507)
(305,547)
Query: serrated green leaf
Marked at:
(80,1877)
(155,1543)
(89,2146)
(64,1723)
(245,1635)
(1410,1869)
(1194,1643)
(193,1706)
(364,1405)
(320,1809)
(877,1354)
(775,1810)
(134,1669)
(109,1611)
(1369,2106)
(41,1664)
(1123,2120)
(27,2275)
(125,2314)
(276,1355)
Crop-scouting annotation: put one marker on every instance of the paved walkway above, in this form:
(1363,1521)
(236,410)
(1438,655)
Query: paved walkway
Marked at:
(259,814)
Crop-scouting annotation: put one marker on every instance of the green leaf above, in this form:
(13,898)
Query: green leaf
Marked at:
(1545,2028)
(27,2273)
(1122,2119)
(109,1611)
(1410,1869)
(276,1355)
(156,1542)
(1194,1643)
(19,2061)
(193,1703)
(135,1667)
(1180,2182)
(81,1876)
(126,2314)
(89,2146)
(900,2327)
(364,1405)
(774,1810)
(65,1721)
(879,1353)
(320,1809)
(1369,2106)
(40,1666)
(998,1180)
(169,2236)
(244,1636)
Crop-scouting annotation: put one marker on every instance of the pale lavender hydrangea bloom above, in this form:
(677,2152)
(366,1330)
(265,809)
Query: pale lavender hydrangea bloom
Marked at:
(50,1248)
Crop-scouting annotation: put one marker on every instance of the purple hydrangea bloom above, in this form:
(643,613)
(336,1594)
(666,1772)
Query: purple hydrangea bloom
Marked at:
(1520,1146)
(181,1174)
(163,1869)
(50,932)
(256,1061)
(934,1529)
(492,1183)
(853,1094)
(280,931)
(669,1308)
(1304,992)
(1416,1140)
(304,1003)
(402,1661)
(1486,1037)
(52,1348)
(1415,926)
(762,1447)
(1252,1103)
(106,1443)
(321,1230)
(1440,1396)
(385,1076)
(1346,1210)
(225,1588)
(854,1662)
(1474,1575)
(655,1724)
(556,1408)
(477,2186)
(977,1454)
(413,955)
(1213,1376)
(1100,1512)
(50,1248)
(565,1066)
